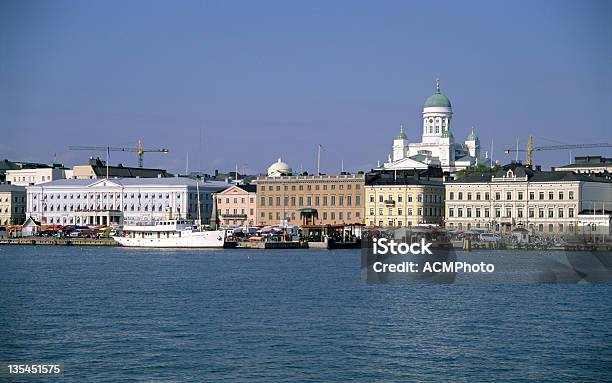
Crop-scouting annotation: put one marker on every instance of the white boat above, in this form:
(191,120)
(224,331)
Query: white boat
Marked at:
(169,233)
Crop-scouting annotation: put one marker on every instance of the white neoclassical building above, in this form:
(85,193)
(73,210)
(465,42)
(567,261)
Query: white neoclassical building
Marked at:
(111,201)
(437,146)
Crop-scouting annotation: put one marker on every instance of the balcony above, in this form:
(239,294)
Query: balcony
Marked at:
(389,202)
(234,216)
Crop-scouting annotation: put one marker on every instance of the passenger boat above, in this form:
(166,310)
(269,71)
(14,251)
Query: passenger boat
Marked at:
(169,233)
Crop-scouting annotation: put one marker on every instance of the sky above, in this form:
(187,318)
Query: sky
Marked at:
(246,82)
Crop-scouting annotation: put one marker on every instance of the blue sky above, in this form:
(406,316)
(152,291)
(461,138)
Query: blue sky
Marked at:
(269,79)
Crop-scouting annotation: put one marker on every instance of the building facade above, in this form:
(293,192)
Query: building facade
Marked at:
(403,201)
(437,146)
(237,206)
(12,204)
(35,176)
(96,168)
(542,202)
(320,199)
(113,201)
(588,165)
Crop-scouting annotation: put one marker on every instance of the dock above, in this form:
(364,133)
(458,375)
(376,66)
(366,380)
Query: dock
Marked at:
(272,245)
(50,241)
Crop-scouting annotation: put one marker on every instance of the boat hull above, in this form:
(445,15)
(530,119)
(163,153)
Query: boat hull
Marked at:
(196,239)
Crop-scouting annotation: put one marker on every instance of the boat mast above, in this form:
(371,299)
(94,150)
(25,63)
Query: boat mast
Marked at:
(198,197)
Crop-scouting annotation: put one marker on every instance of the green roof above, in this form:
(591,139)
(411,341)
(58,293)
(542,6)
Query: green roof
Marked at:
(472,136)
(447,134)
(401,135)
(437,99)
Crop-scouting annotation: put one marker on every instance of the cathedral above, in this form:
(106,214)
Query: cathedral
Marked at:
(438,147)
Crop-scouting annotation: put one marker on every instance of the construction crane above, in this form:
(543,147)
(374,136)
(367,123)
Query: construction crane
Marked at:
(139,150)
(530,148)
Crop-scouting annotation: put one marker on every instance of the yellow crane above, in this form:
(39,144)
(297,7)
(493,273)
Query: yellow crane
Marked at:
(139,150)
(530,148)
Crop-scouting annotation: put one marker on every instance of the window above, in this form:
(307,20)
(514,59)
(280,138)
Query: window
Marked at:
(531,213)
(497,196)
(469,196)
(380,198)
(451,212)
(497,212)
(561,195)
(508,196)
(451,195)
(487,212)
(477,196)
(541,195)
(460,196)
(487,196)
(570,212)
(550,213)
(520,196)
(460,212)
(531,195)
(371,198)
(571,195)
(508,212)
(541,213)
(399,211)
(560,212)
(519,213)
(551,195)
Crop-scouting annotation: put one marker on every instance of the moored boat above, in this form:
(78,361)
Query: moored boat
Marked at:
(169,233)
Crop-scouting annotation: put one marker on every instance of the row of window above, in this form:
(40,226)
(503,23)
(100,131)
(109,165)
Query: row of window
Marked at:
(242,200)
(309,187)
(429,211)
(332,216)
(16,209)
(299,201)
(429,198)
(15,199)
(509,194)
(541,212)
(561,228)
(100,196)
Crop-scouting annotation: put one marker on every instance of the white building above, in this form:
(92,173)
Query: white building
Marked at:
(28,177)
(517,196)
(111,201)
(437,146)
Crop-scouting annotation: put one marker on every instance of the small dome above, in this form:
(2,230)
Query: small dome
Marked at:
(472,136)
(437,99)
(401,135)
(279,167)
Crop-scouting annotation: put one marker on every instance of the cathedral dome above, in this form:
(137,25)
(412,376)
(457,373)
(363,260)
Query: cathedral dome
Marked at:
(279,167)
(437,99)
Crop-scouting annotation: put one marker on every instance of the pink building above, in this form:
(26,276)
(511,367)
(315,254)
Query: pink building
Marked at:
(237,206)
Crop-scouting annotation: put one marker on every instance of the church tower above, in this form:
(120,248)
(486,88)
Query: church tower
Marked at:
(447,149)
(437,114)
(473,144)
(400,146)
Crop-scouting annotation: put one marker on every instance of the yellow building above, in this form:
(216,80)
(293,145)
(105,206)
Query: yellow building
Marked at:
(401,202)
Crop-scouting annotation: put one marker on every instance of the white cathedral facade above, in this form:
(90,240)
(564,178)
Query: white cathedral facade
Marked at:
(438,147)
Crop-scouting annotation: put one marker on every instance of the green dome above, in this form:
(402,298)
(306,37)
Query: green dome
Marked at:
(447,134)
(472,136)
(401,135)
(437,99)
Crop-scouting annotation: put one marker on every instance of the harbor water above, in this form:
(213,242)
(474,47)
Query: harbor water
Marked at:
(117,314)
